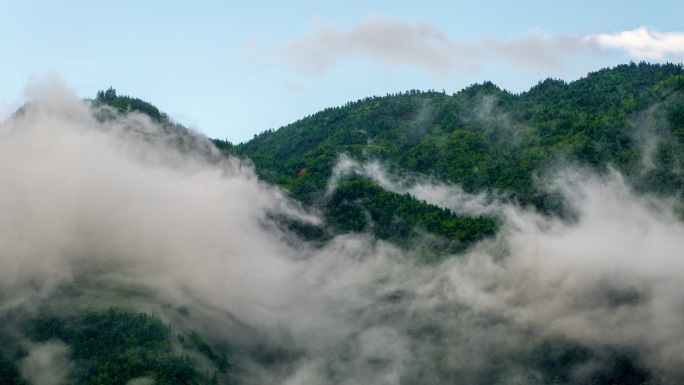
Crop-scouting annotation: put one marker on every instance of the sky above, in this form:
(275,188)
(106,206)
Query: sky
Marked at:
(231,70)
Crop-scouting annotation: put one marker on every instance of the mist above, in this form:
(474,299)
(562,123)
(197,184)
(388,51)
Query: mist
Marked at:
(116,214)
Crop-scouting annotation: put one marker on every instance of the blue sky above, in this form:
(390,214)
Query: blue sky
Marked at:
(233,69)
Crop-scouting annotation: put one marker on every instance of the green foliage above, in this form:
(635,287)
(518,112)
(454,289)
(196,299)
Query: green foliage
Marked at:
(224,146)
(115,346)
(358,204)
(127,103)
(11,350)
(9,374)
(218,358)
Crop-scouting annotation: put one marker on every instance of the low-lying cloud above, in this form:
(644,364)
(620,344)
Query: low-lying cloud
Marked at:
(46,363)
(432,191)
(109,206)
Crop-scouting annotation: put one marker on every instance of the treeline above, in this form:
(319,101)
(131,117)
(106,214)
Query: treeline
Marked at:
(127,104)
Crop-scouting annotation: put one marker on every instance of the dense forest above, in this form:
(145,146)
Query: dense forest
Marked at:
(116,346)
(485,138)
(629,118)
(505,147)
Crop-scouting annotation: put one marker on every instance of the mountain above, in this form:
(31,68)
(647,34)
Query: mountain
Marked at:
(485,138)
(482,237)
(629,118)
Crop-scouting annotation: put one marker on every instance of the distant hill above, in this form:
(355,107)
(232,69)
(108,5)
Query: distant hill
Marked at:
(483,138)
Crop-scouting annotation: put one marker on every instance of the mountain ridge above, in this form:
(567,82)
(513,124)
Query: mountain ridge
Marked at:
(481,237)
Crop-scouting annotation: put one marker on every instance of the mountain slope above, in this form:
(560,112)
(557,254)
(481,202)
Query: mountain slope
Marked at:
(417,238)
(484,138)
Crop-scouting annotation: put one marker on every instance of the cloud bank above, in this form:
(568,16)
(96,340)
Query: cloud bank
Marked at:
(390,43)
(112,212)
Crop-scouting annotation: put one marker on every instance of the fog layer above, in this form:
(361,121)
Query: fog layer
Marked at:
(115,207)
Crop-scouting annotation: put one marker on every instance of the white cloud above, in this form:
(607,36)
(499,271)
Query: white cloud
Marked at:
(384,41)
(391,43)
(642,43)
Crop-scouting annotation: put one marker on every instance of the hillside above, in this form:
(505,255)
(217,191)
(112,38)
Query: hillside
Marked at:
(482,237)
(629,118)
(485,138)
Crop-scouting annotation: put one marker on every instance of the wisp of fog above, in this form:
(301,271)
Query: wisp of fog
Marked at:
(113,206)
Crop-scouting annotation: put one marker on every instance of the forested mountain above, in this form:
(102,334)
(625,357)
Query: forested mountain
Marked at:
(485,139)
(412,238)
